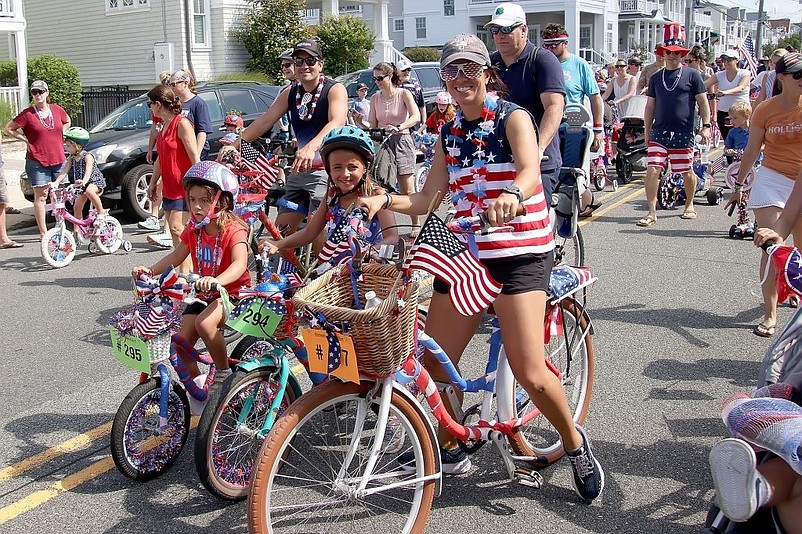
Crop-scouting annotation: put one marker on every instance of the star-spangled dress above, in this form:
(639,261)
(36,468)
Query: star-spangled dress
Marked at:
(482,165)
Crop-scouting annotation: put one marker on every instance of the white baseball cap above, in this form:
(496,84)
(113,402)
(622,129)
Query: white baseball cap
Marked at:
(507,14)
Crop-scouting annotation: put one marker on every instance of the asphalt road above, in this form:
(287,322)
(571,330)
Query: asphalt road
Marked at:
(673,312)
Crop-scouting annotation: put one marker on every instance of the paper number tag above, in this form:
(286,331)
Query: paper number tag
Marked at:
(130,350)
(256,320)
(317,349)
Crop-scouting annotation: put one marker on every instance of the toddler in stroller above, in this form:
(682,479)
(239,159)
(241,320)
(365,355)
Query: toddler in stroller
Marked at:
(631,143)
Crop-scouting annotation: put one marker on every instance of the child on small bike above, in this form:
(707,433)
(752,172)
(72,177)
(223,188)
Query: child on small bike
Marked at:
(217,242)
(347,153)
(444,112)
(82,171)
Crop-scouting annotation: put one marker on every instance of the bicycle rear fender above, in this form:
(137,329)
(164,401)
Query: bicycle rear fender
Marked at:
(403,391)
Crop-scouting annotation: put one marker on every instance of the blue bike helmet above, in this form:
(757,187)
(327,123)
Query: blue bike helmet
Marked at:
(351,138)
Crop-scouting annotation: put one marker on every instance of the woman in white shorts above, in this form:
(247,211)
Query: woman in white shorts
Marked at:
(777,125)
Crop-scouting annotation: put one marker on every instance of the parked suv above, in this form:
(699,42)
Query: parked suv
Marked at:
(120,140)
(426,72)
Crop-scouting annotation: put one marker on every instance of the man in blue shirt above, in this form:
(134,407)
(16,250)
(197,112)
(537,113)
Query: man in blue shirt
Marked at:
(535,82)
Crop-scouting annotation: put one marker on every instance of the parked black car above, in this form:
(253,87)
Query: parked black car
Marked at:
(426,72)
(120,140)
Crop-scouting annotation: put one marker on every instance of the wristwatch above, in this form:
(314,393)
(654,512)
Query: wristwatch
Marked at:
(514,190)
(706,125)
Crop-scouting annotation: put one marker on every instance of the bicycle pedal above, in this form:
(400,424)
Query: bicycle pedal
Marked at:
(528,477)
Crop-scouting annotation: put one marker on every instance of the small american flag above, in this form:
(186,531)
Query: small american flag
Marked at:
(747,50)
(148,320)
(291,272)
(337,243)
(438,252)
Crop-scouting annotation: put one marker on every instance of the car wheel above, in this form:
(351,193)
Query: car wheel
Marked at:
(135,191)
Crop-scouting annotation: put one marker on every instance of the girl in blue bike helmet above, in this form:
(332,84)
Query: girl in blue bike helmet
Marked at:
(347,153)
(216,240)
(82,171)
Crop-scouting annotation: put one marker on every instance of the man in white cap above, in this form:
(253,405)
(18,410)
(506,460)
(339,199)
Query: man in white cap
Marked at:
(535,82)
(405,81)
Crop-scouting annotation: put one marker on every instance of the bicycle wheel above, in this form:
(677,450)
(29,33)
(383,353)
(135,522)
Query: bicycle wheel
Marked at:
(58,248)
(296,487)
(572,355)
(140,449)
(111,235)
(420,178)
(569,250)
(225,451)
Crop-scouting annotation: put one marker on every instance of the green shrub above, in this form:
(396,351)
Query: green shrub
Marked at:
(6,112)
(8,73)
(422,53)
(243,76)
(62,80)
(347,43)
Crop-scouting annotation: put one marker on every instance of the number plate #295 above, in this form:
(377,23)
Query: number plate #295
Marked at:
(130,350)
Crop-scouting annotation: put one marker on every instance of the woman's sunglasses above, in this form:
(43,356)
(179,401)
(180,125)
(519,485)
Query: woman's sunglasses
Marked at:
(620,66)
(470,70)
(310,61)
(286,65)
(506,30)
(37,92)
(377,79)
(795,75)
(175,84)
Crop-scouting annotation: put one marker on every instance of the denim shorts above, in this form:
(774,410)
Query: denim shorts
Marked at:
(169,204)
(306,189)
(41,175)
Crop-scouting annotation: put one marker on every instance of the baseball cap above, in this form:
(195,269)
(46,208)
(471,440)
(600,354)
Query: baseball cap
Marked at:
(729,54)
(39,84)
(507,14)
(464,46)
(789,63)
(361,86)
(403,64)
(180,75)
(310,46)
(287,54)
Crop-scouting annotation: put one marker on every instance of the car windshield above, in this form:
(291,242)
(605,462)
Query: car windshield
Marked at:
(352,79)
(133,115)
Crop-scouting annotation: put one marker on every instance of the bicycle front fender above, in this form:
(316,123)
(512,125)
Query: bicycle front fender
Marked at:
(267,360)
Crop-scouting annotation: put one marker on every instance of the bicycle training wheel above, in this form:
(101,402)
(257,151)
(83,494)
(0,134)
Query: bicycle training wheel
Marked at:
(569,250)
(297,485)
(140,449)
(58,248)
(572,356)
(225,450)
(111,235)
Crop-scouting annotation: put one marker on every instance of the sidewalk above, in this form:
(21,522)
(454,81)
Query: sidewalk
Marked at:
(14,164)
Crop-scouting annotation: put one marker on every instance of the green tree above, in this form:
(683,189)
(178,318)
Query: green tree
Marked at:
(422,53)
(269,28)
(794,40)
(347,43)
(63,81)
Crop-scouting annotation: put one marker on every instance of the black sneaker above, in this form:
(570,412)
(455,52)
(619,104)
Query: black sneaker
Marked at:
(588,476)
(454,461)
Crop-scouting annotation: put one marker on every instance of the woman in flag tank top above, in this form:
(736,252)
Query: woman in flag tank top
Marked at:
(487,157)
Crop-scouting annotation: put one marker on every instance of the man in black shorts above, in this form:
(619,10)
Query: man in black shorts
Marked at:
(316,105)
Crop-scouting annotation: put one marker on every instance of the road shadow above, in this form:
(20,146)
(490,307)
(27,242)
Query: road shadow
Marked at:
(120,283)
(737,372)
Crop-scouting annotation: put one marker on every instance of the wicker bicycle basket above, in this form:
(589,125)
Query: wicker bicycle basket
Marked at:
(383,336)
(159,348)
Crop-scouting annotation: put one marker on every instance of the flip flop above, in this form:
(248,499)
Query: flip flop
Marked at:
(589,209)
(647,222)
(11,210)
(764,331)
(12,244)
(688,214)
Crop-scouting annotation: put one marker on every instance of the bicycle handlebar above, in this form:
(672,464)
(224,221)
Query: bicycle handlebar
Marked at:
(466,224)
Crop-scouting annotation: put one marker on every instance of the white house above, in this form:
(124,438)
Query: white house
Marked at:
(12,24)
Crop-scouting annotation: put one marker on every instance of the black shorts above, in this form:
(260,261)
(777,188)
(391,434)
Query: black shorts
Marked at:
(516,274)
(197,307)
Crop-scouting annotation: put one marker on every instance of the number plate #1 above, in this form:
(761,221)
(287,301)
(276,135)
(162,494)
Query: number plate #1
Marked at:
(130,350)
(257,317)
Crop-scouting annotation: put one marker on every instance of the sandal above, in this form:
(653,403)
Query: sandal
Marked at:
(10,244)
(763,330)
(647,222)
(688,214)
(793,301)
(11,210)
(590,208)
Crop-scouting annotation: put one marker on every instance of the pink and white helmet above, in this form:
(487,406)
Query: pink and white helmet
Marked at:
(214,174)
(442,98)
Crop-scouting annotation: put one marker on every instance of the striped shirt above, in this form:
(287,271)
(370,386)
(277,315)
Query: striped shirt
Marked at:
(479,167)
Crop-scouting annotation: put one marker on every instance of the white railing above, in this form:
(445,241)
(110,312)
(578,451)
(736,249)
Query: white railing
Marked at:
(596,57)
(11,96)
(703,20)
(637,6)
(7,8)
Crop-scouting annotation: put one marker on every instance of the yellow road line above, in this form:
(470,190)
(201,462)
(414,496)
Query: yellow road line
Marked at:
(79,441)
(598,213)
(68,483)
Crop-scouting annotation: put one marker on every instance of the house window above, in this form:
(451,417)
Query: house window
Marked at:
(584,36)
(200,24)
(125,6)
(448,8)
(420,27)
(533,33)
(398,25)
(608,38)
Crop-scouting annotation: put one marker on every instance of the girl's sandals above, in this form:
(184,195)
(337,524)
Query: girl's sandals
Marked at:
(647,222)
(763,330)
(688,214)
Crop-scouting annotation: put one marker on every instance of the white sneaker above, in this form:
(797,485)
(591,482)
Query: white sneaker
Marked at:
(151,223)
(160,240)
(740,489)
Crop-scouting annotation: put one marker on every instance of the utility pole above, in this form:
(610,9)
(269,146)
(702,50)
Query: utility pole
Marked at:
(759,36)
(690,30)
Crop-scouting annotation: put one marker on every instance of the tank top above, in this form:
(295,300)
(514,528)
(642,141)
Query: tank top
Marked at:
(479,168)
(335,212)
(305,130)
(620,91)
(724,84)
(78,169)
(390,112)
(173,159)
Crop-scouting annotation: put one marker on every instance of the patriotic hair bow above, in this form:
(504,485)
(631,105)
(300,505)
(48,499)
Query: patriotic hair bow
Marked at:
(166,288)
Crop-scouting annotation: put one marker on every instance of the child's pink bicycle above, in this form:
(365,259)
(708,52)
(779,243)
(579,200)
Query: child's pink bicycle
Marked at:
(100,234)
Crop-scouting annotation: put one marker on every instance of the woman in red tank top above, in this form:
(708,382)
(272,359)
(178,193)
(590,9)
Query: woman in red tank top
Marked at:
(177,151)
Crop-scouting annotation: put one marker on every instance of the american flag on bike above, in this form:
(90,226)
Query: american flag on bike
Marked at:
(149,321)
(718,164)
(747,50)
(291,272)
(337,242)
(438,252)
(268,171)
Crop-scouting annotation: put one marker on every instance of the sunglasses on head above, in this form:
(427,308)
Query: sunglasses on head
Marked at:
(506,30)
(286,65)
(552,46)
(379,78)
(470,70)
(310,61)
(37,92)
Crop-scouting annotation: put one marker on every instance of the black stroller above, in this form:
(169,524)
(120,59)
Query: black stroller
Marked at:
(631,144)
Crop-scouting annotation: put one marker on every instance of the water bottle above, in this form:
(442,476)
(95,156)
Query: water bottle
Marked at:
(704,148)
(371,300)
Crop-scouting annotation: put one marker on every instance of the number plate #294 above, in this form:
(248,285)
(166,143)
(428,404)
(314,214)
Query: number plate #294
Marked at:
(130,350)
(254,317)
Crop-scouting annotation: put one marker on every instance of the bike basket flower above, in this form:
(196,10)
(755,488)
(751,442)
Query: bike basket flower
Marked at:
(383,336)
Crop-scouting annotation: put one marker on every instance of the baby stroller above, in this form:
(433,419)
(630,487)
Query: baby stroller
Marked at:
(631,144)
(672,188)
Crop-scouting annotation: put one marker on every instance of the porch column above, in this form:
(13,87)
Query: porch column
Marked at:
(381,26)
(630,44)
(22,69)
(572,26)
(329,8)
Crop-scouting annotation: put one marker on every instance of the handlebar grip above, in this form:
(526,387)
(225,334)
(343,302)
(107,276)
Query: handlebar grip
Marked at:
(731,210)
(765,246)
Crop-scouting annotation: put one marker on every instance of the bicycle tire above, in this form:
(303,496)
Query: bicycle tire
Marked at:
(57,251)
(538,438)
(333,406)
(224,453)
(569,250)
(112,243)
(139,414)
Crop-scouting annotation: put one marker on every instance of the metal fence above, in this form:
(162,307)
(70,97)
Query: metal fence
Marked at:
(100,101)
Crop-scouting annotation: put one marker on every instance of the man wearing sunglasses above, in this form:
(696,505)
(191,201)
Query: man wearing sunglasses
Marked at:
(535,82)
(316,105)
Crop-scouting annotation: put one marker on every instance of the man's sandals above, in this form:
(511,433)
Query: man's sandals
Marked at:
(647,222)
(763,330)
